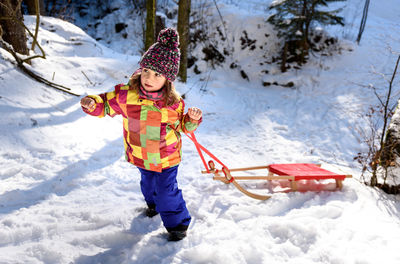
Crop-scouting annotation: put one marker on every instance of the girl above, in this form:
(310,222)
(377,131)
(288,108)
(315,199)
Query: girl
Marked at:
(153,117)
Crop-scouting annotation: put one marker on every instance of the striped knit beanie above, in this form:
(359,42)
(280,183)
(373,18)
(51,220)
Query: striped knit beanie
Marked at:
(164,55)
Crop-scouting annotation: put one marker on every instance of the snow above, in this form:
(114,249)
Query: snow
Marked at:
(68,196)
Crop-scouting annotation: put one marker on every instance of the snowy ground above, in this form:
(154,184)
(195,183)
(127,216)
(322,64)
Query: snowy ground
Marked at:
(68,196)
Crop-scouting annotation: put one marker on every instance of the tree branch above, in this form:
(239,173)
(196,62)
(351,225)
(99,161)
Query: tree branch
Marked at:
(37,8)
(20,64)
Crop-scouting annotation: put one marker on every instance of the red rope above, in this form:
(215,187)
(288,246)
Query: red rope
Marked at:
(201,148)
(193,138)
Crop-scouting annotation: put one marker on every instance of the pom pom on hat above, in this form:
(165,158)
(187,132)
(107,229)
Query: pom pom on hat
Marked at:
(164,55)
(168,37)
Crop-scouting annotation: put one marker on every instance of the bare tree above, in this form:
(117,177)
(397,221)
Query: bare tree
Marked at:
(32,7)
(183,30)
(387,113)
(363,21)
(38,8)
(150,23)
(11,21)
(381,148)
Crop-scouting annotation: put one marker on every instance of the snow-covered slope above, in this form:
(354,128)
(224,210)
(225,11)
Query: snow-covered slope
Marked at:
(68,196)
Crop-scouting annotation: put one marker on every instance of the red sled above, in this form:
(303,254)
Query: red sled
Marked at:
(281,172)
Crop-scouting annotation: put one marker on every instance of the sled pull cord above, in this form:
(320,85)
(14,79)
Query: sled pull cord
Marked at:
(201,148)
(193,138)
(210,167)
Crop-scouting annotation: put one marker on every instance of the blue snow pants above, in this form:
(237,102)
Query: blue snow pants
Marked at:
(161,189)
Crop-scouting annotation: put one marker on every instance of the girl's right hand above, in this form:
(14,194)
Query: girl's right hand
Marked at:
(88,103)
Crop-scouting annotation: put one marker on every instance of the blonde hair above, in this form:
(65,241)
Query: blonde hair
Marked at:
(171,96)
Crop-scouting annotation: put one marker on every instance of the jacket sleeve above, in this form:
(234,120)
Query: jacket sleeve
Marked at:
(187,124)
(106,104)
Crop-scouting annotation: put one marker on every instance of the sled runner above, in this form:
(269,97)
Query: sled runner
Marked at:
(288,172)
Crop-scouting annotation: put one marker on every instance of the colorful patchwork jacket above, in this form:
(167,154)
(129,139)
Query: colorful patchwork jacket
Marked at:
(152,136)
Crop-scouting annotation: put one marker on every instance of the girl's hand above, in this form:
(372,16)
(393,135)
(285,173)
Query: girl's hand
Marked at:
(88,103)
(195,113)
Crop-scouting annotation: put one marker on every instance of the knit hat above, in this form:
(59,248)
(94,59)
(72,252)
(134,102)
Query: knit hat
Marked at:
(164,55)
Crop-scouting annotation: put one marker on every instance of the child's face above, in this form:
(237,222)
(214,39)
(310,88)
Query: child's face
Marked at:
(151,80)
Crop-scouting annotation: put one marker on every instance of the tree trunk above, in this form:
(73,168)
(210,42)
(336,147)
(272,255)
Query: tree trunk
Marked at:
(150,23)
(308,14)
(183,30)
(363,21)
(160,25)
(304,49)
(284,57)
(13,32)
(31,7)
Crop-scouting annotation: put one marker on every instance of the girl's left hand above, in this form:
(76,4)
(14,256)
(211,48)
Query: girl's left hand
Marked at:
(195,113)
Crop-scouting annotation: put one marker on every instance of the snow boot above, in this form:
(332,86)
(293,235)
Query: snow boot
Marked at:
(151,210)
(177,233)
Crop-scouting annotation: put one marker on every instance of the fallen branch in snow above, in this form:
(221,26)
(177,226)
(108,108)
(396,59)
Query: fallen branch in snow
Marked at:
(20,61)
(87,77)
(20,64)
